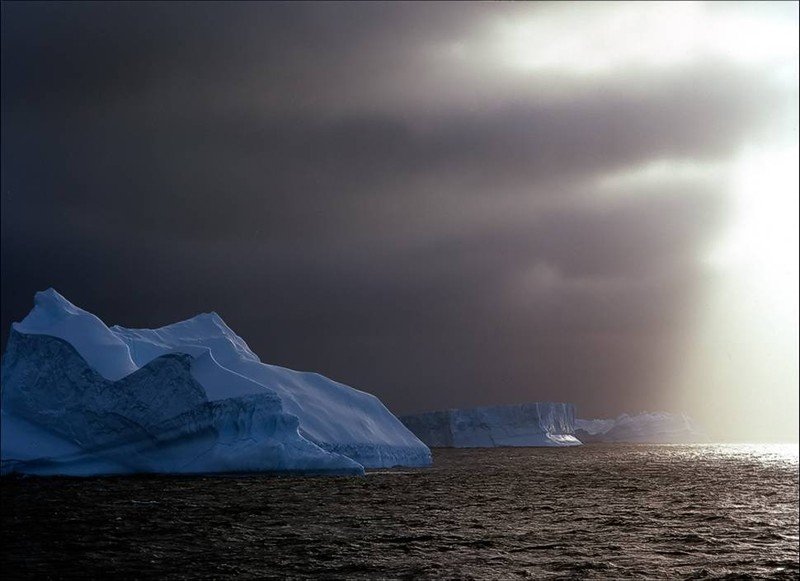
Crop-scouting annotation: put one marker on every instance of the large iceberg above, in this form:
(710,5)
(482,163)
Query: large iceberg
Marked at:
(530,424)
(648,427)
(81,398)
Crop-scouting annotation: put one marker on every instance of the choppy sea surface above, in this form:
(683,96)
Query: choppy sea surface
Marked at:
(597,512)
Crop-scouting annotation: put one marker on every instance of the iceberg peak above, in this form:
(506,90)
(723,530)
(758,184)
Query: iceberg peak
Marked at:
(54,315)
(206,330)
(53,303)
(212,323)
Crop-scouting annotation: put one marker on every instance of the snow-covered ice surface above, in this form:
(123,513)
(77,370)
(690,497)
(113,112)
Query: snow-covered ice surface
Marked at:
(530,424)
(81,398)
(651,428)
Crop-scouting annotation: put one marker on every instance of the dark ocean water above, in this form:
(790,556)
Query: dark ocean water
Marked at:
(598,511)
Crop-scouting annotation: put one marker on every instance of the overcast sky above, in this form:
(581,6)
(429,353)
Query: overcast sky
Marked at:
(442,204)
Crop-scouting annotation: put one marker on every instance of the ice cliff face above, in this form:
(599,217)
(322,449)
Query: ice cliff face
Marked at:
(653,428)
(80,398)
(532,424)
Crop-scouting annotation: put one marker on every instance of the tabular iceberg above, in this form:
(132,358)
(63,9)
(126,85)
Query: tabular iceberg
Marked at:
(81,398)
(531,424)
(652,428)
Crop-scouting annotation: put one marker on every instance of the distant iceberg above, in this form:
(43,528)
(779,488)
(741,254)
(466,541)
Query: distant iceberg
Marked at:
(652,428)
(81,398)
(530,424)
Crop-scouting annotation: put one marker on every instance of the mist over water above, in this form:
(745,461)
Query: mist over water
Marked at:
(597,511)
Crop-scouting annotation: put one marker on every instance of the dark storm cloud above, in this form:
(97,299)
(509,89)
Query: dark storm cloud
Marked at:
(226,174)
(307,172)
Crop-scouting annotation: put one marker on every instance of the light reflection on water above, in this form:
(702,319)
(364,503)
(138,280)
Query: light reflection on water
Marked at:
(771,453)
(598,511)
